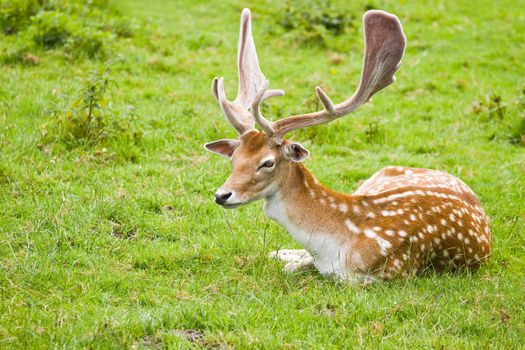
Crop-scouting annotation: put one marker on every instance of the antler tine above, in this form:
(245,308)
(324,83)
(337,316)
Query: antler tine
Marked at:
(240,119)
(264,124)
(251,81)
(215,88)
(326,101)
(384,48)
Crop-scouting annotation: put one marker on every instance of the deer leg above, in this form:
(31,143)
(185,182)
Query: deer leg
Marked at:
(304,262)
(295,259)
(288,255)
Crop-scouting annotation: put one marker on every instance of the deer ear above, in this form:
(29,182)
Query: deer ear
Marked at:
(295,152)
(223,148)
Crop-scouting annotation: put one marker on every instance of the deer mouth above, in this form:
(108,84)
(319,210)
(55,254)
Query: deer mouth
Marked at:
(238,204)
(231,205)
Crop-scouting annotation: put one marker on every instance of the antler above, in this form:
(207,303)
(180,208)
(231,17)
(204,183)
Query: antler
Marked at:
(384,48)
(251,81)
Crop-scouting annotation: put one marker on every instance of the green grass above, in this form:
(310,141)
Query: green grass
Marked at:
(106,247)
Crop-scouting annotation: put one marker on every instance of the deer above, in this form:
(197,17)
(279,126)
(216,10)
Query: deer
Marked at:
(398,224)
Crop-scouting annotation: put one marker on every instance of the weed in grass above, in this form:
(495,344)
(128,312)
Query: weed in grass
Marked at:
(518,134)
(511,114)
(50,29)
(91,120)
(90,43)
(518,129)
(20,51)
(491,105)
(16,14)
(374,132)
(4,174)
(311,22)
(124,27)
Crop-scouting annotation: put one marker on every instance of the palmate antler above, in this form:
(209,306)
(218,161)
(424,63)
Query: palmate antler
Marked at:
(384,47)
(251,81)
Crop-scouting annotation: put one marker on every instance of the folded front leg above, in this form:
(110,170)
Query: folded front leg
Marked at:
(303,263)
(289,255)
(295,259)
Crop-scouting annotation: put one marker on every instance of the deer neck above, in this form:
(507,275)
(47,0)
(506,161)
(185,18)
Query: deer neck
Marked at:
(307,209)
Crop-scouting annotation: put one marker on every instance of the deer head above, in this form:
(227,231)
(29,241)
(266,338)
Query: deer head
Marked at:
(261,160)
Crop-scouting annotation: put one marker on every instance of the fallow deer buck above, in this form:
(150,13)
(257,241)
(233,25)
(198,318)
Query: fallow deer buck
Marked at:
(398,223)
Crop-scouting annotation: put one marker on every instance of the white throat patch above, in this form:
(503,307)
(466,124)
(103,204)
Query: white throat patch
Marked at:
(329,254)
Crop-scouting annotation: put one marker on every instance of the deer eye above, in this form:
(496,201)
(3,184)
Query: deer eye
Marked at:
(268,164)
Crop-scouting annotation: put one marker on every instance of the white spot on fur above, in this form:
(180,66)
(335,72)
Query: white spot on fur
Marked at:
(370,234)
(351,226)
(383,245)
(393,197)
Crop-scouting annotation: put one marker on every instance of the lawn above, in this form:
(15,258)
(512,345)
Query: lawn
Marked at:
(109,236)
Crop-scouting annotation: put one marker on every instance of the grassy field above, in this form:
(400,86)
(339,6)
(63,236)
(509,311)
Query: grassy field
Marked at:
(109,237)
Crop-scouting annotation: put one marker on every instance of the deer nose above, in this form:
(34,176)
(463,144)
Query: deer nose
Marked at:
(222,197)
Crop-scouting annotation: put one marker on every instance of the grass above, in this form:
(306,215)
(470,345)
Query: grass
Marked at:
(112,243)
